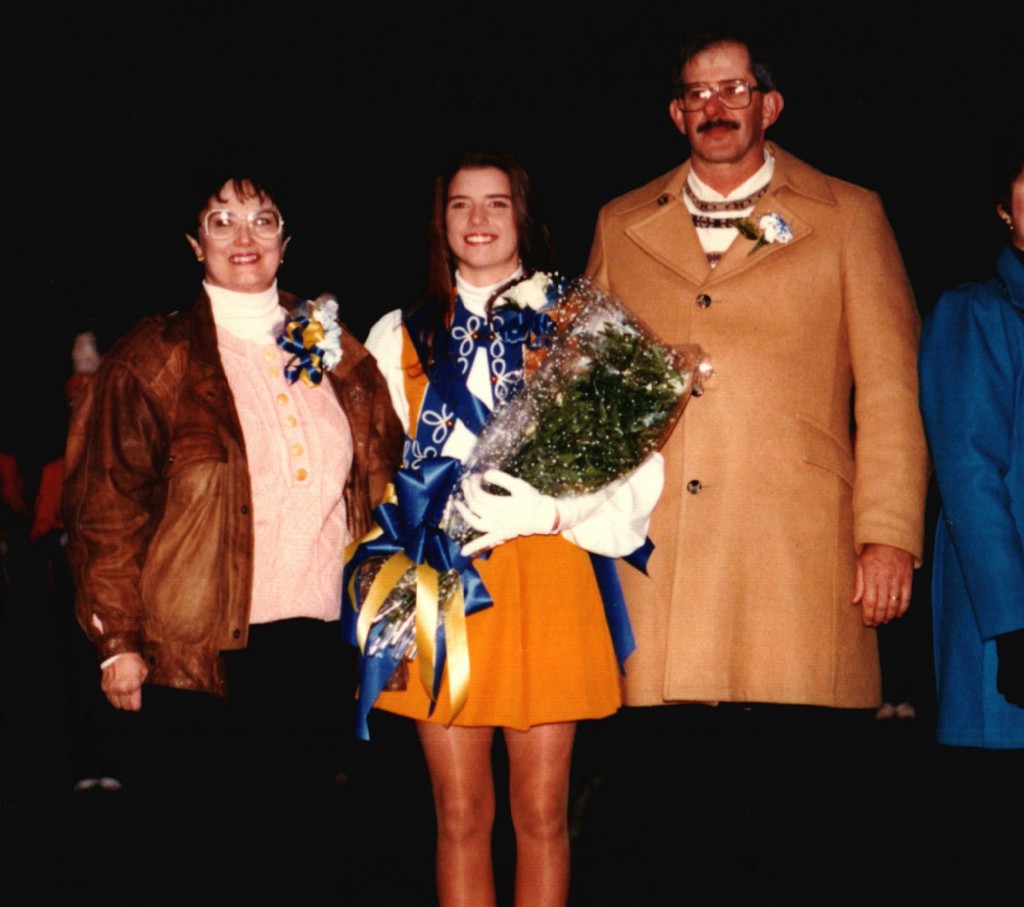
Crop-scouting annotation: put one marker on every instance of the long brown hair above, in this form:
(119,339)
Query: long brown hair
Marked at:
(535,249)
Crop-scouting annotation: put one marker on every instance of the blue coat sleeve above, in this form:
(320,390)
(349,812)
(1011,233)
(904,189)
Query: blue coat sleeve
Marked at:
(971,379)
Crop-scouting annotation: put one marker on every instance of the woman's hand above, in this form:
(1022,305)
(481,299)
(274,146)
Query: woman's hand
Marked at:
(500,517)
(122,681)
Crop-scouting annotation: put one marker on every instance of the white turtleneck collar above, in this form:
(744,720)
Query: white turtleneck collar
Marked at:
(475,298)
(249,316)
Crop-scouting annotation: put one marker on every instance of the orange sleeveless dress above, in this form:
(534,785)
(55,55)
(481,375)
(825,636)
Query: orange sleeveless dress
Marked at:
(542,652)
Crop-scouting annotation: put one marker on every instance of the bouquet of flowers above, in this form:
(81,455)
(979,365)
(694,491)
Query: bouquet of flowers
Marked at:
(601,396)
(606,395)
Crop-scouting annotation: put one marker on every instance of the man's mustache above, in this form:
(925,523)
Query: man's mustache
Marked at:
(712,124)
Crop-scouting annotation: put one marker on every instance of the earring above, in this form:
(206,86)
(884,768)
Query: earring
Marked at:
(200,258)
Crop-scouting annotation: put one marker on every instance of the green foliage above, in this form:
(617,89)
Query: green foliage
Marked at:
(602,423)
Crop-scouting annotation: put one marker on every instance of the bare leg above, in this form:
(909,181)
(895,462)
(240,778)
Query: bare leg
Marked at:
(459,761)
(539,761)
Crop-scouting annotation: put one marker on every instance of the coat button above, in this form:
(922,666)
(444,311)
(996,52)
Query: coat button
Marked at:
(662,200)
(693,486)
(245,510)
(236,633)
(703,300)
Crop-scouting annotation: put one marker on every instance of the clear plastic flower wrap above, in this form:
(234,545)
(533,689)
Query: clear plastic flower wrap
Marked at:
(605,396)
(397,613)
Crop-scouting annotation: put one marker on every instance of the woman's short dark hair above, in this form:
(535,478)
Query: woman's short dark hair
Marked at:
(535,249)
(245,178)
(762,72)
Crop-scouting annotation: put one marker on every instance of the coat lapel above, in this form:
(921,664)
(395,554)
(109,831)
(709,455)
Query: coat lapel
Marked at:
(668,236)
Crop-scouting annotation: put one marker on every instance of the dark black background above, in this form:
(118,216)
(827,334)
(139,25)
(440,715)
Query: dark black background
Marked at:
(105,106)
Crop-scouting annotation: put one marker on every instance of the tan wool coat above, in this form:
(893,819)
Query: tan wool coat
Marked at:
(770,491)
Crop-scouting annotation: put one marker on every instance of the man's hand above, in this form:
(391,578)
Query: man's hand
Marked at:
(882,588)
(122,681)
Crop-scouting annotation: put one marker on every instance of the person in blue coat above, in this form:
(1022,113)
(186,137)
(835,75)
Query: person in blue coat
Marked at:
(972,399)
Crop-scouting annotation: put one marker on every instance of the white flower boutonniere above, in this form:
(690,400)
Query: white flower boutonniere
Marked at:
(536,292)
(313,337)
(324,311)
(769,228)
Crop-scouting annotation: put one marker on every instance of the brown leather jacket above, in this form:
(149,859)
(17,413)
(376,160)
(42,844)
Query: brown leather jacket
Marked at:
(157,495)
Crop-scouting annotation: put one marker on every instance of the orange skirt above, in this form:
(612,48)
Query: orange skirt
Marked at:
(541,653)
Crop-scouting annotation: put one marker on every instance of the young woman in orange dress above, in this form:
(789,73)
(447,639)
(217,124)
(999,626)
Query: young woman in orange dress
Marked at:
(542,655)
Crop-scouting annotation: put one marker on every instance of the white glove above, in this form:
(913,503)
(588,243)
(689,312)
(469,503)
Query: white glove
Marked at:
(523,511)
(500,517)
(574,510)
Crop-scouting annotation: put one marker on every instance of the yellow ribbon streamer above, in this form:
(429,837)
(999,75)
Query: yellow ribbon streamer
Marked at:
(378,592)
(458,652)
(426,624)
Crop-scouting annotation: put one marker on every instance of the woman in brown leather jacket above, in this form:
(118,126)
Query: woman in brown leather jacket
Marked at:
(217,465)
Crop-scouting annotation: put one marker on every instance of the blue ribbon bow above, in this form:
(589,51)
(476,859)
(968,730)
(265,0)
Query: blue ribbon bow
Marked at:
(412,526)
(528,326)
(302,357)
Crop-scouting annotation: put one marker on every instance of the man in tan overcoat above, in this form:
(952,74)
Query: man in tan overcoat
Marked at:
(784,535)
(791,521)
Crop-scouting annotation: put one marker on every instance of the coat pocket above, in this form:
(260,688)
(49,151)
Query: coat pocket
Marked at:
(819,447)
(191,448)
